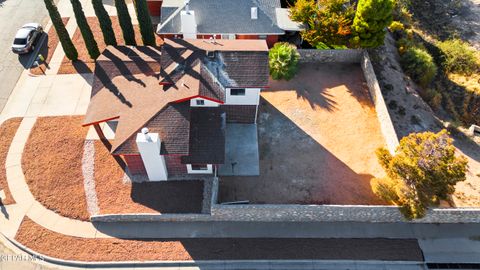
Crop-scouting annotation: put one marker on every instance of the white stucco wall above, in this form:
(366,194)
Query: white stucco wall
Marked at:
(251,97)
(209,170)
(208,103)
(149,148)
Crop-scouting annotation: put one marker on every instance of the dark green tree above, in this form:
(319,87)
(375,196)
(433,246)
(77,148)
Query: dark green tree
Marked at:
(423,171)
(105,22)
(145,22)
(125,22)
(370,22)
(87,34)
(62,33)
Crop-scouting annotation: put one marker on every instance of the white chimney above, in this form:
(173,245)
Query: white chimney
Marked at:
(188,24)
(149,147)
(254,13)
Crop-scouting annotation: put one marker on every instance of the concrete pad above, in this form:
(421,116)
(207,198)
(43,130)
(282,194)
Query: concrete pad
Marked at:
(13,160)
(92,134)
(241,151)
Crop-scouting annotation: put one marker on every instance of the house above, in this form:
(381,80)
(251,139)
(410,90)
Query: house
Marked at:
(226,19)
(166,112)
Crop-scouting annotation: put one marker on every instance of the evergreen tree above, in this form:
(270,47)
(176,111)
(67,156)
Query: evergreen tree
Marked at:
(62,33)
(125,22)
(423,171)
(145,22)
(105,22)
(87,34)
(371,19)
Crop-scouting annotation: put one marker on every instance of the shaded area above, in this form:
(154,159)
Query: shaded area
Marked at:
(48,49)
(170,196)
(116,196)
(41,240)
(7,132)
(85,64)
(312,152)
(52,164)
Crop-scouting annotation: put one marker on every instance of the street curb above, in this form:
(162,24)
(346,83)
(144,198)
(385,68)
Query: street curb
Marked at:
(267,264)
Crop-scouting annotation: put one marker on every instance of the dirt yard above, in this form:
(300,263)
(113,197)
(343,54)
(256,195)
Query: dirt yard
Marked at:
(317,139)
(116,196)
(57,245)
(52,164)
(7,132)
(85,64)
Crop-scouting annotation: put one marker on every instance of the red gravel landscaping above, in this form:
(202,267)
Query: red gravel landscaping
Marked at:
(48,51)
(85,64)
(7,132)
(57,245)
(52,164)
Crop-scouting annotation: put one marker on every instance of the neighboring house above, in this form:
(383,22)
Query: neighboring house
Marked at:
(187,94)
(225,19)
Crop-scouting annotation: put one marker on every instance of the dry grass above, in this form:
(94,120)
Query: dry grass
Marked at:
(49,50)
(85,64)
(470,82)
(115,196)
(52,162)
(57,245)
(7,132)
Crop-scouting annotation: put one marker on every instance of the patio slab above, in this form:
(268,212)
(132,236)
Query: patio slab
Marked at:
(241,151)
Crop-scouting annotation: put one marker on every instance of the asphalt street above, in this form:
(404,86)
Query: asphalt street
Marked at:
(14,14)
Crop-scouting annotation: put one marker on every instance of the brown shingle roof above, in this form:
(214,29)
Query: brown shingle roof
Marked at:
(126,83)
(173,126)
(207,136)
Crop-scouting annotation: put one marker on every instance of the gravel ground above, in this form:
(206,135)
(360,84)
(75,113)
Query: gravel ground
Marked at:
(88,169)
(7,132)
(52,164)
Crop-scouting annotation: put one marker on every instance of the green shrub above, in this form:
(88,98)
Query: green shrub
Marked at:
(371,19)
(419,64)
(458,57)
(283,61)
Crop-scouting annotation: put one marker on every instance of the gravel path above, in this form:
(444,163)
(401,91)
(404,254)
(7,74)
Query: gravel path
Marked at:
(88,164)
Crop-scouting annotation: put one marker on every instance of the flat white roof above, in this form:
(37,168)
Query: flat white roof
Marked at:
(285,23)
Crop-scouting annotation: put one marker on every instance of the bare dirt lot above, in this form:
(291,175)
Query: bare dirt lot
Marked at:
(57,245)
(317,139)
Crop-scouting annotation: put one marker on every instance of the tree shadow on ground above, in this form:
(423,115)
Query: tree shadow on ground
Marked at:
(296,169)
(313,81)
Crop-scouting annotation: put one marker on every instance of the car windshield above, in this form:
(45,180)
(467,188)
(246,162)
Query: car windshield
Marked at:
(20,41)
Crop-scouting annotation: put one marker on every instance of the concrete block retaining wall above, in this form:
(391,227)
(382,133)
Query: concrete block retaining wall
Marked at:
(383,116)
(327,213)
(330,56)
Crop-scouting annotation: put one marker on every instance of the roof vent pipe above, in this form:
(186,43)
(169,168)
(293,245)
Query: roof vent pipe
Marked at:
(187,6)
(254,13)
(145,134)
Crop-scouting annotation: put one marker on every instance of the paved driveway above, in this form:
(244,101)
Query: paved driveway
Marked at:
(14,14)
